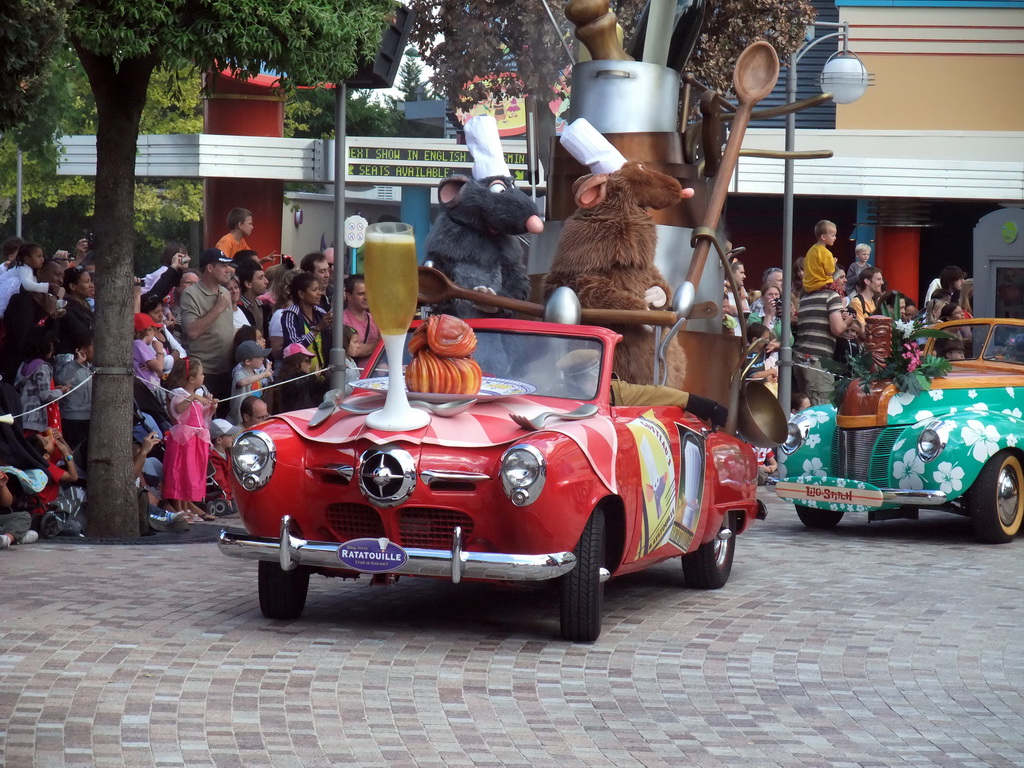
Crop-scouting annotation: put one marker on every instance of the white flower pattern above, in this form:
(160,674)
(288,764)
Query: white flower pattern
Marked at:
(948,477)
(819,416)
(936,394)
(899,402)
(814,467)
(982,439)
(1011,440)
(908,471)
(1015,412)
(972,393)
(813,439)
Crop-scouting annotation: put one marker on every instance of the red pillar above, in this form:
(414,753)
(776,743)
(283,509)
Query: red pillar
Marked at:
(898,255)
(236,108)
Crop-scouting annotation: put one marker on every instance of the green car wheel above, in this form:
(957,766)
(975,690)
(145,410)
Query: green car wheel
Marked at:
(997,499)
(818,518)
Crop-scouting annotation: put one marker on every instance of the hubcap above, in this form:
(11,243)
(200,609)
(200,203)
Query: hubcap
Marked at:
(721,551)
(1008,496)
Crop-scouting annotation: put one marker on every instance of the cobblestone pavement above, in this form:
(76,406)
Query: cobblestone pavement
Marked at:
(885,645)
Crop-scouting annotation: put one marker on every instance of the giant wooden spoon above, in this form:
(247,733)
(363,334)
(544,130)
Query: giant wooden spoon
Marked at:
(757,71)
(435,287)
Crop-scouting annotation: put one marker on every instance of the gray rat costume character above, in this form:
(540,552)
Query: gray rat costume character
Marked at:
(475,241)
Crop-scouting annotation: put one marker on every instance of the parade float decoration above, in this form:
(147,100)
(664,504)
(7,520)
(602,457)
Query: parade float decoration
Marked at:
(533,478)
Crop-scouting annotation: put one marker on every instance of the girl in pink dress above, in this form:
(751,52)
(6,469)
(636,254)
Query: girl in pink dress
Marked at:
(188,441)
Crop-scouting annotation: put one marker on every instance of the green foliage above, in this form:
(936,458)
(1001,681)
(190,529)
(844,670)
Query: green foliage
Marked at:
(31,40)
(309,113)
(905,367)
(57,210)
(310,40)
(411,81)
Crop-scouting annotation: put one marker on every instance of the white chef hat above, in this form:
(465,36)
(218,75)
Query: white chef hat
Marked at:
(485,145)
(584,142)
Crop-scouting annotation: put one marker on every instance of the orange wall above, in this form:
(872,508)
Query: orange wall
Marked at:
(940,93)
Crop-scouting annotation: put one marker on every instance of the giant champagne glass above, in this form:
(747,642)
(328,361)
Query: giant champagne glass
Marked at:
(391,285)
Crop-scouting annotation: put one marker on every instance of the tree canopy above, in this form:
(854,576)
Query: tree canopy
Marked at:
(517,36)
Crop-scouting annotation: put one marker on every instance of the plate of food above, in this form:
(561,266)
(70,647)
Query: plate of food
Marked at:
(491,388)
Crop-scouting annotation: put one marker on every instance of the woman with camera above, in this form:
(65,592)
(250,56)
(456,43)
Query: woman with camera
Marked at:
(771,304)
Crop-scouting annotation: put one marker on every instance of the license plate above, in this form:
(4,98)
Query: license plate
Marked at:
(372,555)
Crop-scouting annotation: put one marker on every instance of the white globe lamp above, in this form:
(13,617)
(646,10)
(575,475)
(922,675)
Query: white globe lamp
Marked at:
(845,77)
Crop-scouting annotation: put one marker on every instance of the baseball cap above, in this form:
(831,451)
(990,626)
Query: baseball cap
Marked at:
(248,349)
(144,321)
(221,427)
(213,256)
(296,349)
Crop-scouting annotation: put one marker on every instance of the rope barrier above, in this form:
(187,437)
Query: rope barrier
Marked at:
(168,391)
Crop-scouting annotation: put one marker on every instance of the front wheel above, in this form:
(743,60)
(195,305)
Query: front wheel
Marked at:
(822,519)
(710,566)
(581,590)
(996,501)
(282,593)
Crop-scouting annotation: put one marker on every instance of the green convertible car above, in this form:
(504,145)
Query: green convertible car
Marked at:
(958,446)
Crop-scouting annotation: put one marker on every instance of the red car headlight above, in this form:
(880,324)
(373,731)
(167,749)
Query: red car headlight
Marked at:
(522,473)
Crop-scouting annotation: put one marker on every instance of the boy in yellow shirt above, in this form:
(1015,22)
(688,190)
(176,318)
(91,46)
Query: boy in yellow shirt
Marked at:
(819,263)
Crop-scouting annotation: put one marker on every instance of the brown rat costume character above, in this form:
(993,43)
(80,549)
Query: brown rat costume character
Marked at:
(606,255)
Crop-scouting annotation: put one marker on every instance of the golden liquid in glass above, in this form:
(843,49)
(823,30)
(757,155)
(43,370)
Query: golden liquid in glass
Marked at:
(392,280)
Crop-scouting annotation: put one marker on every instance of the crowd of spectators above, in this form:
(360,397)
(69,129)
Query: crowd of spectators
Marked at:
(828,316)
(218,346)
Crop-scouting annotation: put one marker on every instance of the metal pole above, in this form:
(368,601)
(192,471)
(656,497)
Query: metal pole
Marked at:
(786,351)
(17,198)
(340,252)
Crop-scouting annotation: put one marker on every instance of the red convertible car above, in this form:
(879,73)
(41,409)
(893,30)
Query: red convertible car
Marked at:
(540,477)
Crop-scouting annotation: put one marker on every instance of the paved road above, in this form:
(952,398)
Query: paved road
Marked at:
(896,644)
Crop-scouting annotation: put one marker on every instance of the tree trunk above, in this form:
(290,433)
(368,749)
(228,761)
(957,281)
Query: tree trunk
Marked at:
(120,93)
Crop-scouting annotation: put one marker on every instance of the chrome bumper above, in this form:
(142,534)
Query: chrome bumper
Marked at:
(913,498)
(291,551)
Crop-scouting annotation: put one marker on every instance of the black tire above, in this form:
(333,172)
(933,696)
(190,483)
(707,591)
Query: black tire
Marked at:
(822,519)
(997,499)
(282,593)
(581,590)
(710,566)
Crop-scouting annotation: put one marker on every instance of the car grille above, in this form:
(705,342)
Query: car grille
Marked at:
(354,521)
(431,528)
(863,454)
(423,527)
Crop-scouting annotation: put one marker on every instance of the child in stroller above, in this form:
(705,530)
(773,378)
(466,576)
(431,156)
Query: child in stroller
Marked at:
(219,499)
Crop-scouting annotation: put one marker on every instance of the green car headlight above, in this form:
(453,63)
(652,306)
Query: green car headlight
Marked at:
(932,440)
(796,432)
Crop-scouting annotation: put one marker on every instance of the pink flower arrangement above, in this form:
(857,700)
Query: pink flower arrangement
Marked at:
(912,354)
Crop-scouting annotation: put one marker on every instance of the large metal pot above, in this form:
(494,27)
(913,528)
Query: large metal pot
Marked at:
(625,96)
(761,420)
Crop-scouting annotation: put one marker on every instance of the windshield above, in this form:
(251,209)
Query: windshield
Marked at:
(556,366)
(1006,344)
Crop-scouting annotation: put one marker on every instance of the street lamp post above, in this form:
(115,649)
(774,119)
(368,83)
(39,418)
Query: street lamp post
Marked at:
(845,77)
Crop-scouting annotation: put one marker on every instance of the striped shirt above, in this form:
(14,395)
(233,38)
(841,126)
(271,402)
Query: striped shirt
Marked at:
(813,333)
